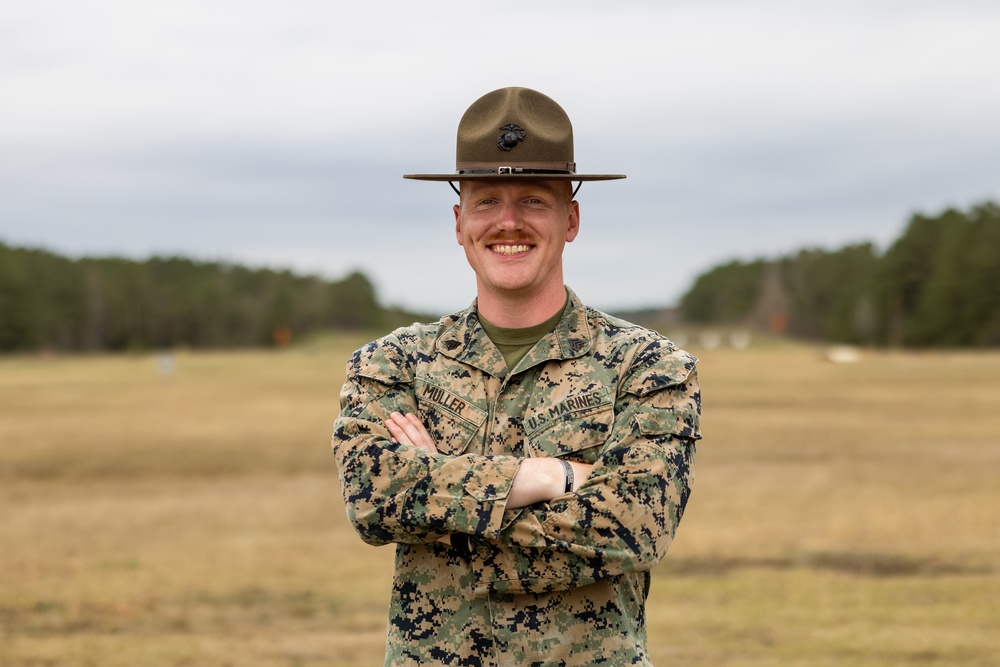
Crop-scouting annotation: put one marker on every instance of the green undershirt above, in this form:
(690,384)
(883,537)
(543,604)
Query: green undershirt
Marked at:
(515,343)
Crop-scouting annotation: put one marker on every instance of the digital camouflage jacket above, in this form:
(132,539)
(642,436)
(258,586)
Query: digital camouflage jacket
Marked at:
(557,583)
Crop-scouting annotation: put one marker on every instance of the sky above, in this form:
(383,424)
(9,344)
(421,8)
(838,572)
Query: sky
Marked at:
(276,134)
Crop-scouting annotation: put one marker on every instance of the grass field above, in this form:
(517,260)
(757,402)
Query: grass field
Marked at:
(842,514)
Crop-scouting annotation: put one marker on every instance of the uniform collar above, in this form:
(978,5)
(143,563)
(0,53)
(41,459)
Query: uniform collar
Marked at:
(465,340)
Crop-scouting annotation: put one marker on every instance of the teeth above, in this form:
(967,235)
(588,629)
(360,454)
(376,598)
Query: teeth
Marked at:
(509,249)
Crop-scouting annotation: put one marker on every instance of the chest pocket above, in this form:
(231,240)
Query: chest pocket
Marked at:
(451,420)
(574,427)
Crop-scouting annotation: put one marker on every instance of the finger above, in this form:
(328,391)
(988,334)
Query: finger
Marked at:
(415,432)
(412,431)
(417,427)
(407,429)
(398,435)
(418,432)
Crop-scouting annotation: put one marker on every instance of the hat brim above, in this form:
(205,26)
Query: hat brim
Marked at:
(514,177)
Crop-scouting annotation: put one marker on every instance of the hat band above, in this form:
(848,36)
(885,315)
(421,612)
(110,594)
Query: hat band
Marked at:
(525,168)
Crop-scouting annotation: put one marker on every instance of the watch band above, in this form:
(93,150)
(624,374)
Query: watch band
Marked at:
(569,475)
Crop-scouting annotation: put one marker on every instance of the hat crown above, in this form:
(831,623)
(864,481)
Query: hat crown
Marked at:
(515,127)
(514,133)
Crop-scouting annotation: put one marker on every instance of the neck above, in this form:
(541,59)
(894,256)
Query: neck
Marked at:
(519,311)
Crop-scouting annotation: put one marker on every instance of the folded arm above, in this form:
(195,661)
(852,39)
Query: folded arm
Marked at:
(620,519)
(398,492)
(536,480)
(624,517)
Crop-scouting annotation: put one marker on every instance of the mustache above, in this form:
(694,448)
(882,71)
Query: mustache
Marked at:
(509,239)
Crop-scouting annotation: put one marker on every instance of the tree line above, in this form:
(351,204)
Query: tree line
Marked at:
(50,302)
(937,285)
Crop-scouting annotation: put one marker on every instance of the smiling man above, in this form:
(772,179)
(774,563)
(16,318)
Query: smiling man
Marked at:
(530,457)
(513,235)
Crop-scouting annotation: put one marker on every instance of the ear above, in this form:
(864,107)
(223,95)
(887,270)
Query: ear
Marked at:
(573,227)
(458,223)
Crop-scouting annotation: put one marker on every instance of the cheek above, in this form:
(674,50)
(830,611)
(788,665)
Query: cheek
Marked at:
(465,235)
(471,258)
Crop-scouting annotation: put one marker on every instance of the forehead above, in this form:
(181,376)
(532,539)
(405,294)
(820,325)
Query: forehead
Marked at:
(514,188)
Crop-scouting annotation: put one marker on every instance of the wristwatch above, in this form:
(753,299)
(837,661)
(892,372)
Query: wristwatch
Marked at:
(569,475)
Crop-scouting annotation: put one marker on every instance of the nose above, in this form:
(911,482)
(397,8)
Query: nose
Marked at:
(509,218)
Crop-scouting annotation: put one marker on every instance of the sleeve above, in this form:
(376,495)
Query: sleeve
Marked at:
(399,493)
(623,518)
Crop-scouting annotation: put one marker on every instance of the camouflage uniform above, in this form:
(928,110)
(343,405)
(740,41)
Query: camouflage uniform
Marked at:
(557,583)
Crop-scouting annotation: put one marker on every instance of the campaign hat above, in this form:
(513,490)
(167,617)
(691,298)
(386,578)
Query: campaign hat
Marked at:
(514,133)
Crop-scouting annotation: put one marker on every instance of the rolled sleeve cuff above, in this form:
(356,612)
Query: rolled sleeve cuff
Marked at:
(477,507)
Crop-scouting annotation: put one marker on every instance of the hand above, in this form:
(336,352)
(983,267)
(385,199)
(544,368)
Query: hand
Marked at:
(409,430)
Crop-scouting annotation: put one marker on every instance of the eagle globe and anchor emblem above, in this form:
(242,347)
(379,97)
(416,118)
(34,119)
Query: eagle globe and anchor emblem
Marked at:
(512,135)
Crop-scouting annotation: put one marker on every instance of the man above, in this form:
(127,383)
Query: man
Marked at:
(530,457)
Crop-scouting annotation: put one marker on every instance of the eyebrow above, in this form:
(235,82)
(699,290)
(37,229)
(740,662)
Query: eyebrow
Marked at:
(525,188)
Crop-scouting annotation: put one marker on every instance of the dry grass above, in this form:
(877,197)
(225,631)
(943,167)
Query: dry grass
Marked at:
(843,514)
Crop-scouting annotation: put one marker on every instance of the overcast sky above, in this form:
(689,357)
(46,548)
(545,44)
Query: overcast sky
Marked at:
(276,134)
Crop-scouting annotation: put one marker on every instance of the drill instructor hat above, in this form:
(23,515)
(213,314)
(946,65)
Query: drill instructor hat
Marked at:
(514,133)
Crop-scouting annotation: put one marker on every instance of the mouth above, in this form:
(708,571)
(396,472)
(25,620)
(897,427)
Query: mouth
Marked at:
(510,248)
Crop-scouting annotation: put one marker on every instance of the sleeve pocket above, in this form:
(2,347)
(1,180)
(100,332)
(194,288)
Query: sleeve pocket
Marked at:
(653,422)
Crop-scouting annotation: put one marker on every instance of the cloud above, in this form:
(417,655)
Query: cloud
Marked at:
(277,134)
